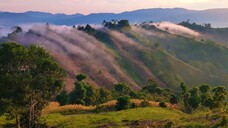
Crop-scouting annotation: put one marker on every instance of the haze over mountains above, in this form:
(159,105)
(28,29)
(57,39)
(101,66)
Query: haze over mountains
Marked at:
(217,17)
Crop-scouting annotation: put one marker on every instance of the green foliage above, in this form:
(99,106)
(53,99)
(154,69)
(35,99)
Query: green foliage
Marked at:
(88,29)
(162,104)
(169,124)
(91,95)
(29,78)
(104,96)
(115,24)
(63,98)
(194,99)
(78,95)
(121,89)
(197,27)
(152,87)
(173,99)
(220,96)
(81,77)
(204,88)
(123,103)
(145,103)
(224,121)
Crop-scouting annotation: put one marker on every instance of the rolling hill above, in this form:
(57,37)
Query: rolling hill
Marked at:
(134,55)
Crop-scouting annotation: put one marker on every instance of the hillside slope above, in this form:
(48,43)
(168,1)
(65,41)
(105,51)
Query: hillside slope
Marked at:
(132,56)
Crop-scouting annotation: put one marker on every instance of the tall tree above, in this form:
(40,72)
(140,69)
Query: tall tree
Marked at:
(29,77)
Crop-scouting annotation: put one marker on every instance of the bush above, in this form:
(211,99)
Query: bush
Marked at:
(224,121)
(63,98)
(169,124)
(123,103)
(145,103)
(133,105)
(98,109)
(162,104)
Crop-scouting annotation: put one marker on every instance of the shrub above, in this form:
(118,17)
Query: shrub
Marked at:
(169,124)
(123,103)
(145,103)
(223,122)
(162,104)
(133,105)
(63,98)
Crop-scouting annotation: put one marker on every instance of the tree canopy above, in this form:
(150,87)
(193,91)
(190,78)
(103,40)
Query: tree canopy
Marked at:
(29,77)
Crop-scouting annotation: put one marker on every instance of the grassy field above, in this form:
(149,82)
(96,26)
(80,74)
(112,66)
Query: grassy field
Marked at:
(120,118)
(138,118)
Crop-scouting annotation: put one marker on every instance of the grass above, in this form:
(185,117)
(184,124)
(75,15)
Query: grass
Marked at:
(137,117)
(4,122)
(152,116)
(93,120)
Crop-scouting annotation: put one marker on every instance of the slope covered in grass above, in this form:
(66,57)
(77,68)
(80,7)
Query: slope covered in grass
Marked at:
(133,55)
(138,117)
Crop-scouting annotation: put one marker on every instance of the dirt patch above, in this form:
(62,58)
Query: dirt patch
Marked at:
(145,124)
(108,125)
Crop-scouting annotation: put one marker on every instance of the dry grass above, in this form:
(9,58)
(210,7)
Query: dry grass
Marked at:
(54,107)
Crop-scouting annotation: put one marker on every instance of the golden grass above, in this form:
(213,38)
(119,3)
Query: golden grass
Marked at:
(54,107)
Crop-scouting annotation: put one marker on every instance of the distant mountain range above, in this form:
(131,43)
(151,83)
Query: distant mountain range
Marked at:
(217,17)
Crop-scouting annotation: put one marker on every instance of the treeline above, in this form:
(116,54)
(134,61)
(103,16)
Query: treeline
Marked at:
(195,26)
(188,99)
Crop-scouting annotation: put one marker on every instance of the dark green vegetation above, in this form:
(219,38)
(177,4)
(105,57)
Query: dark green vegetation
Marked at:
(188,99)
(29,77)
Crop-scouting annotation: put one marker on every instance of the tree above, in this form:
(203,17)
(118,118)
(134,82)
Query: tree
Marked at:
(206,98)
(117,25)
(78,95)
(15,31)
(80,77)
(122,89)
(91,95)
(123,103)
(104,96)
(29,78)
(219,97)
(152,86)
(204,88)
(173,99)
(194,100)
(63,98)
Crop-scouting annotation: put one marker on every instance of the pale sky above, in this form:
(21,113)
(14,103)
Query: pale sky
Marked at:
(95,6)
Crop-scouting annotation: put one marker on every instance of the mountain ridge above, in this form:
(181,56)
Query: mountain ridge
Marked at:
(217,17)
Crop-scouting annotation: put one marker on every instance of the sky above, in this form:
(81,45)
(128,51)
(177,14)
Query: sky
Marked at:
(97,6)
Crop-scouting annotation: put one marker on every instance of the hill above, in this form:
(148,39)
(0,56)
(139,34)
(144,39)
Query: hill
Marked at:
(134,55)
